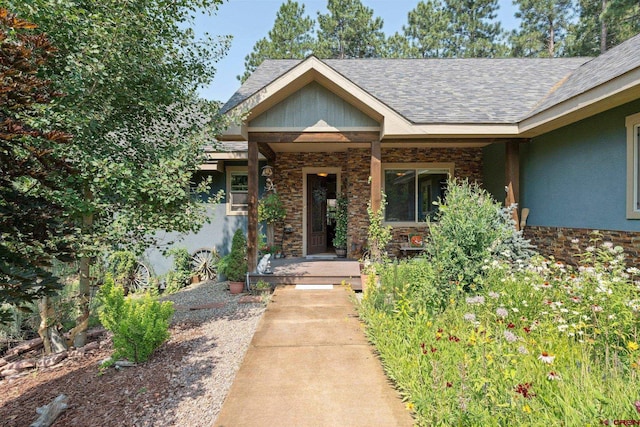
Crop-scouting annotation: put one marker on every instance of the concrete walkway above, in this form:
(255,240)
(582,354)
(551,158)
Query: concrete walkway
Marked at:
(309,364)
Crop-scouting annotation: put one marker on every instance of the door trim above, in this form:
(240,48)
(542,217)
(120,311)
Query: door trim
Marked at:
(312,171)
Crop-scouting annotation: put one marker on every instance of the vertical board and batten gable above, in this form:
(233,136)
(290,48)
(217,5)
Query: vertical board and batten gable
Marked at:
(576,176)
(307,107)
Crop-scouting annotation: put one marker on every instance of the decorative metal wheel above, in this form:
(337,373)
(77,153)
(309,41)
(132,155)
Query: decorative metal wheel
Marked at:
(139,279)
(204,263)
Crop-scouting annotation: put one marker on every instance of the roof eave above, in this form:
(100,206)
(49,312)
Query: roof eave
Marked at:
(613,93)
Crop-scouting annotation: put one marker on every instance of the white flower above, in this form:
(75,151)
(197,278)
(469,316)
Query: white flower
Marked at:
(510,336)
(590,249)
(553,376)
(469,317)
(562,328)
(502,312)
(478,299)
(523,350)
(608,245)
(596,308)
(494,295)
(611,317)
(546,357)
(515,310)
(575,241)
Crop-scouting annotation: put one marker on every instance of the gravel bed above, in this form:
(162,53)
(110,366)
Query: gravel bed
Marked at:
(214,338)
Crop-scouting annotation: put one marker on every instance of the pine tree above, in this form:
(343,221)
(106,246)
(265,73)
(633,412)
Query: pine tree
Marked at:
(349,30)
(473,31)
(290,38)
(543,27)
(427,29)
(603,24)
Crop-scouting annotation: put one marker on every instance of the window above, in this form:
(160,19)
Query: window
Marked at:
(633,166)
(412,189)
(237,190)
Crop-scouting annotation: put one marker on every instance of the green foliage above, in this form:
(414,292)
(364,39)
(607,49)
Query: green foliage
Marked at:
(473,29)
(342,222)
(427,30)
(468,226)
(122,265)
(234,264)
(35,226)
(139,325)
(543,28)
(177,278)
(349,30)
(534,345)
(271,209)
(378,235)
(290,38)
(616,20)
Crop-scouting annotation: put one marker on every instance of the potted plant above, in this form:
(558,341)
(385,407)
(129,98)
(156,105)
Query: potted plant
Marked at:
(271,211)
(234,264)
(342,218)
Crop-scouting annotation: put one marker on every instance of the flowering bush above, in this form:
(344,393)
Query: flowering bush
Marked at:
(537,344)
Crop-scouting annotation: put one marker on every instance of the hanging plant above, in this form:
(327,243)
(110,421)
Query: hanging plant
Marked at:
(271,209)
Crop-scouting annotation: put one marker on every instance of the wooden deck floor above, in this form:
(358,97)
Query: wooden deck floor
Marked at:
(296,271)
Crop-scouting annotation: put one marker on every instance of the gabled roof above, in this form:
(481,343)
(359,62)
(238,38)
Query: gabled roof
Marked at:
(499,96)
(439,90)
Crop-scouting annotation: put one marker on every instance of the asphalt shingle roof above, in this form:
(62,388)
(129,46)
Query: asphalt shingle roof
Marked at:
(476,90)
(611,64)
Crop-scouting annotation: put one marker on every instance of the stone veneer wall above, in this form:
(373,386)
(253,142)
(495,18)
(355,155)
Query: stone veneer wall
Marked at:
(288,180)
(559,242)
(355,165)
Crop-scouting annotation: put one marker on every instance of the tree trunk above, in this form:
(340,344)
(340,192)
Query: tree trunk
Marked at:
(552,37)
(79,332)
(51,337)
(603,29)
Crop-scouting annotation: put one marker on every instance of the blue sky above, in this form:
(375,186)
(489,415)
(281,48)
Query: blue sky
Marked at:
(249,20)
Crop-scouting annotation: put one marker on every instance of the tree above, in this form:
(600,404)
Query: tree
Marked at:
(130,71)
(427,29)
(290,38)
(543,27)
(349,31)
(603,24)
(34,225)
(472,30)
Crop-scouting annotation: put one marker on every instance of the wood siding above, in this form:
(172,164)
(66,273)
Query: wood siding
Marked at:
(308,106)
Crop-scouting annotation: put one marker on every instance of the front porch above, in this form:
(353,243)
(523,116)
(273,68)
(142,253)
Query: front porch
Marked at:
(305,271)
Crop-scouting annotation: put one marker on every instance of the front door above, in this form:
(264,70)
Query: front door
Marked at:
(316,214)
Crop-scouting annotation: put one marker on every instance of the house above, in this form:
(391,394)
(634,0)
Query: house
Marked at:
(561,134)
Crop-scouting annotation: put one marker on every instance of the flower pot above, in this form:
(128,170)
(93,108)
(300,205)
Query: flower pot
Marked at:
(236,287)
(341,252)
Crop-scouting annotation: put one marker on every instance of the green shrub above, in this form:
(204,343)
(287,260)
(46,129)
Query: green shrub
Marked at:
(139,325)
(470,230)
(234,264)
(180,276)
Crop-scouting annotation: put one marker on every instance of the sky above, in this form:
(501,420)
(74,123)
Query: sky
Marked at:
(250,20)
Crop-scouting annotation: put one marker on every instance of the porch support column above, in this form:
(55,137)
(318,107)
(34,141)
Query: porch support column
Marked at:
(512,176)
(376,175)
(252,219)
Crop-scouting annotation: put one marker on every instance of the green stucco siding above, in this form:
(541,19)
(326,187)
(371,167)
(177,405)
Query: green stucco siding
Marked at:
(309,105)
(576,176)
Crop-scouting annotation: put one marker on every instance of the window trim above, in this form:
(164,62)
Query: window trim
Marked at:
(229,171)
(633,166)
(441,166)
